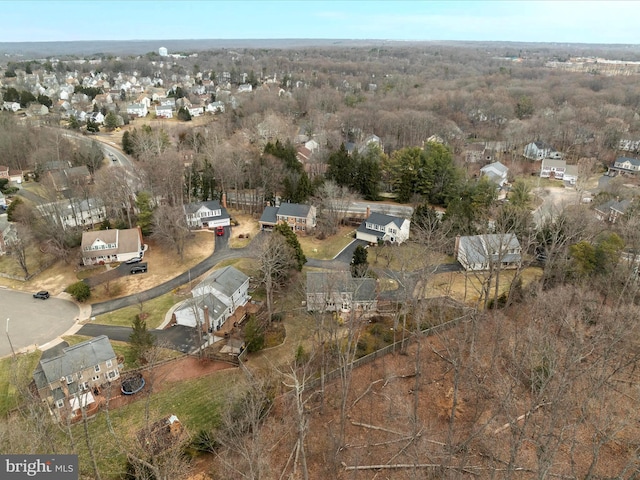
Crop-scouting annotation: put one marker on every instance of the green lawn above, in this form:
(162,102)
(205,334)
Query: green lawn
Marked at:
(155,308)
(15,378)
(196,403)
(329,247)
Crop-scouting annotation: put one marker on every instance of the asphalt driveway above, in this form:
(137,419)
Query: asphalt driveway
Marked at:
(33,321)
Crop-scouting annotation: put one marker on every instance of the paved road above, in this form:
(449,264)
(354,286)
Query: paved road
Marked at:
(33,321)
(222,252)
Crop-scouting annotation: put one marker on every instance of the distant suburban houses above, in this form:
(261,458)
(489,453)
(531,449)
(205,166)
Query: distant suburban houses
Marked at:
(74,212)
(540,150)
(612,210)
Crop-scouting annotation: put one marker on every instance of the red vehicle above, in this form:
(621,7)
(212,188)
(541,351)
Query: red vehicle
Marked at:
(220,231)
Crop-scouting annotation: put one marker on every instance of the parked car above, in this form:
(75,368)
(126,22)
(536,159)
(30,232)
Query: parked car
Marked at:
(133,260)
(42,294)
(220,231)
(139,269)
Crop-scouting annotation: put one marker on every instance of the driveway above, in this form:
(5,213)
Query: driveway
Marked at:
(33,321)
(222,252)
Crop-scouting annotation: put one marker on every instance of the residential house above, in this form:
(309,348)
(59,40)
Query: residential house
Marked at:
(483,252)
(64,179)
(245,87)
(496,172)
(107,246)
(11,106)
(215,299)
(299,217)
(137,110)
(540,150)
(195,110)
(167,102)
(95,117)
(570,175)
(207,214)
(626,165)
(74,212)
(215,107)
(72,380)
(4,171)
(612,210)
(8,234)
(338,291)
(381,227)
(551,168)
(475,152)
(37,110)
(164,111)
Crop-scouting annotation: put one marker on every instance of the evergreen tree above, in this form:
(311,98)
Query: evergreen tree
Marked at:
(127,143)
(341,168)
(292,240)
(145,215)
(111,122)
(140,340)
(359,262)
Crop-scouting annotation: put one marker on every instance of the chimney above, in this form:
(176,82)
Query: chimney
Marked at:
(224,200)
(457,247)
(206,323)
(368,212)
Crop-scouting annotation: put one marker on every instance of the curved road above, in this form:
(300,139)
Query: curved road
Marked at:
(33,321)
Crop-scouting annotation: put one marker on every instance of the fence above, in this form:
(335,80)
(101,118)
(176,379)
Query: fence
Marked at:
(332,375)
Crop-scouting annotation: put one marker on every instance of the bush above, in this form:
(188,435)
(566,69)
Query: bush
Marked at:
(79,290)
(254,335)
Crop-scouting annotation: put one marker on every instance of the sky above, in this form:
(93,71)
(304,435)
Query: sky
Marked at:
(574,21)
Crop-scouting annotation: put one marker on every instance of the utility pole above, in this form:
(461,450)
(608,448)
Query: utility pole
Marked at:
(13,352)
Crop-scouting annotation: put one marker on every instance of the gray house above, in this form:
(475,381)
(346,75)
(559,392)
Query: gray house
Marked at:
(301,218)
(76,377)
(339,292)
(483,252)
(206,312)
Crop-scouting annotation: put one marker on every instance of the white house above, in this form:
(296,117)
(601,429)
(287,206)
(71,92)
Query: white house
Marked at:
(571,175)
(164,111)
(11,106)
(95,117)
(8,234)
(483,252)
(550,168)
(214,300)
(215,107)
(338,291)
(207,214)
(74,212)
(137,109)
(626,164)
(107,246)
(539,150)
(496,172)
(195,110)
(245,87)
(380,227)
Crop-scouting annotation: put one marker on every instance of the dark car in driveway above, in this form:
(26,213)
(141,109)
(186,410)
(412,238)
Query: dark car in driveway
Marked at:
(43,295)
(142,268)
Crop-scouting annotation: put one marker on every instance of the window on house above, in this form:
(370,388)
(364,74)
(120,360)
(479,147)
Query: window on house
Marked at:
(69,379)
(97,368)
(95,378)
(112,374)
(60,403)
(84,386)
(109,363)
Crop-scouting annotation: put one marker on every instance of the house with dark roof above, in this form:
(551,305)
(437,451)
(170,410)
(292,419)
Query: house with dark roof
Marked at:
(74,378)
(74,212)
(209,214)
(300,218)
(229,286)
(484,252)
(338,291)
(539,150)
(107,246)
(381,227)
(206,312)
(626,165)
(612,210)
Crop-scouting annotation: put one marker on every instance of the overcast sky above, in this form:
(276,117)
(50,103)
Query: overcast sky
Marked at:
(519,20)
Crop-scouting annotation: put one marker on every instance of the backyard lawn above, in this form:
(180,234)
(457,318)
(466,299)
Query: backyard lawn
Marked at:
(327,248)
(155,309)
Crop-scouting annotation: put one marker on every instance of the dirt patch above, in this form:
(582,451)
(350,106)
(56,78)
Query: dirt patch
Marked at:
(186,368)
